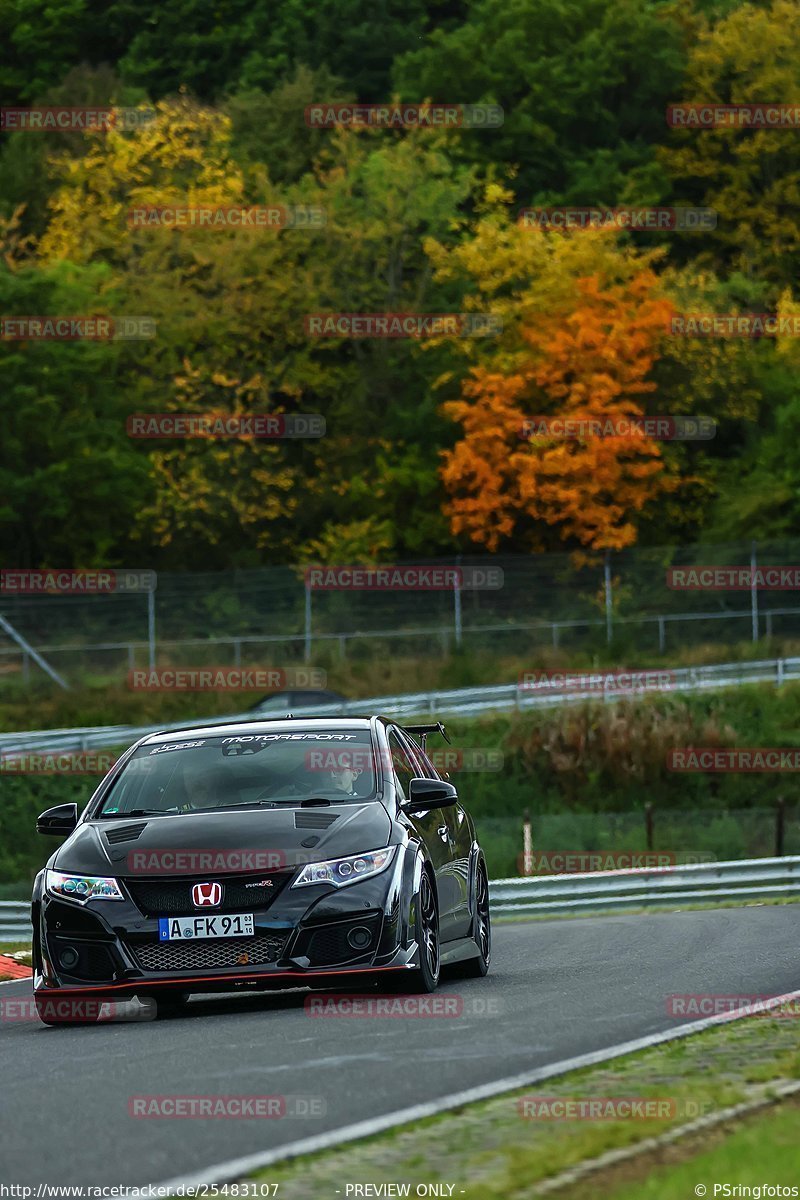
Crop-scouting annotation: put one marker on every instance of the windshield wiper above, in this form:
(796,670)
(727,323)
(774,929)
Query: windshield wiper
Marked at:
(299,802)
(135,812)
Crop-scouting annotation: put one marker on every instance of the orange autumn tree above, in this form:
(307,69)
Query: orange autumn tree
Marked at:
(577,343)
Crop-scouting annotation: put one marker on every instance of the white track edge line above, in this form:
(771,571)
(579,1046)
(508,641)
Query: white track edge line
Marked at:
(236,1168)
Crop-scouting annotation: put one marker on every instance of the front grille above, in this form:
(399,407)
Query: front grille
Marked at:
(206,955)
(173,897)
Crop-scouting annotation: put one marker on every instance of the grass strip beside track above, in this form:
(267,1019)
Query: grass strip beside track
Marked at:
(758,1151)
(489,1150)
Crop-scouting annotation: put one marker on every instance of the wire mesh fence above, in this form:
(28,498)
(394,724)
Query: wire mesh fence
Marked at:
(643,599)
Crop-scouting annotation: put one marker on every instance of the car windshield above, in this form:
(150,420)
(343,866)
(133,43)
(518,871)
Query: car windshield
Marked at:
(264,769)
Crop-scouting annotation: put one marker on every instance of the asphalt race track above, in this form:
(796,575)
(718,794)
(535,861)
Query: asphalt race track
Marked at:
(556,989)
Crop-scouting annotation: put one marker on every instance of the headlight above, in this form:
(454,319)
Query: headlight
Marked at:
(341,871)
(82,887)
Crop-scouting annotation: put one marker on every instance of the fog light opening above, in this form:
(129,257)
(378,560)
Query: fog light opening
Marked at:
(360,937)
(68,957)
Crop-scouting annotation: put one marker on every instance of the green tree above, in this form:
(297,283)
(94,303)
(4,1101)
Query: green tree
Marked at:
(751,177)
(582,111)
(70,482)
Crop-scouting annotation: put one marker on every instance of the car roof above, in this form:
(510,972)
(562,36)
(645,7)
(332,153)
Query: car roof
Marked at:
(263,725)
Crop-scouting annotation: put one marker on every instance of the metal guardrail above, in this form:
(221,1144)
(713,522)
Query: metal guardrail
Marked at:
(461,702)
(15,920)
(617,890)
(602,891)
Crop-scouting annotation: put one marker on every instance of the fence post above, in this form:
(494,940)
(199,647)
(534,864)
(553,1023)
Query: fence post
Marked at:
(780,824)
(151,627)
(662,634)
(753,593)
(457,605)
(609,598)
(527,843)
(648,824)
(307,652)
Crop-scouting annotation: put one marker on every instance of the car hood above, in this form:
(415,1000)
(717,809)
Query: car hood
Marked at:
(288,836)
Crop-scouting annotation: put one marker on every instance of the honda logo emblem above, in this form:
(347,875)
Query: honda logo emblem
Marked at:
(207,895)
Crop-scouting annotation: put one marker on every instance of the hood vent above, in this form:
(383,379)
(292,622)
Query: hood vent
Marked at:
(128,833)
(314,820)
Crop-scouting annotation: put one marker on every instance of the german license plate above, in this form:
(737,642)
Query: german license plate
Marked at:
(173,929)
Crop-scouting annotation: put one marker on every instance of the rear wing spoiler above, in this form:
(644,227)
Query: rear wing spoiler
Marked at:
(422,731)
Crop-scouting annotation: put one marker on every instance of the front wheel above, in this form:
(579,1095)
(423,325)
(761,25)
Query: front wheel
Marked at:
(424,979)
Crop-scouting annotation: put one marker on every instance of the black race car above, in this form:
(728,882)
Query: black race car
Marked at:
(323,852)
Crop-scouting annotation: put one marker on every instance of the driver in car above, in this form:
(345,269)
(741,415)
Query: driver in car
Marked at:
(204,789)
(343,780)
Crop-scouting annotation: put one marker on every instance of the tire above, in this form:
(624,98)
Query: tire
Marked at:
(424,979)
(477,967)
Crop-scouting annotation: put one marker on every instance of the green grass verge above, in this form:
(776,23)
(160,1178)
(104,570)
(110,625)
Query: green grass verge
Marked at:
(755,1151)
(489,1151)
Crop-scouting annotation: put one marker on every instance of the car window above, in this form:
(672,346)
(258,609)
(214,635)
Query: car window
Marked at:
(404,768)
(208,773)
(425,766)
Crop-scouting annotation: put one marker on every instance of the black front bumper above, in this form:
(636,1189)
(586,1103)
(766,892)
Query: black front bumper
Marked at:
(310,936)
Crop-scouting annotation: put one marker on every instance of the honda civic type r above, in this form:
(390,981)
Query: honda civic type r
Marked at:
(320,853)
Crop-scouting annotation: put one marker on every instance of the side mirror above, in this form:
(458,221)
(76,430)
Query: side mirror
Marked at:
(58,821)
(429,793)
